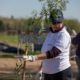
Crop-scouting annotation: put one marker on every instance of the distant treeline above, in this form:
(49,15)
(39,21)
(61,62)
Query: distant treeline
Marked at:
(12,25)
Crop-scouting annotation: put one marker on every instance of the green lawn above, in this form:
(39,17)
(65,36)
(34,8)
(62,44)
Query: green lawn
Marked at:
(9,38)
(13,40)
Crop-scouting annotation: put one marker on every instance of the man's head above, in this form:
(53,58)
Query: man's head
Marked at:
(56,17)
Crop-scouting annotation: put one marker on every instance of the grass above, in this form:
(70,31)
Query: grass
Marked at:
(13,40)
(9,38)
(7,55)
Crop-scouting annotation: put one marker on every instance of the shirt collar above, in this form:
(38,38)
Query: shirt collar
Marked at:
(55,31)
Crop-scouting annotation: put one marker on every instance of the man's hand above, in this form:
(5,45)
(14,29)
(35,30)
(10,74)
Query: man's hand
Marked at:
(29,57)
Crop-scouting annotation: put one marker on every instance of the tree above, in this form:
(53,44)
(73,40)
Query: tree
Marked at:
(49,5)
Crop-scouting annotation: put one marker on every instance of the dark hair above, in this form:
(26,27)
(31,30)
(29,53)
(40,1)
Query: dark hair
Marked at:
(56,16)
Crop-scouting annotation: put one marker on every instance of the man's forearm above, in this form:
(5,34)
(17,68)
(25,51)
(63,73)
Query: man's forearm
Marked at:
(41,56)
(54,52)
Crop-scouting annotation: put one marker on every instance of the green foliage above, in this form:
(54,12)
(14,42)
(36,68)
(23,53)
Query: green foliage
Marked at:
(50,4)
(27,25)
(6,55)
(73,24)
(34,53)
(9,38)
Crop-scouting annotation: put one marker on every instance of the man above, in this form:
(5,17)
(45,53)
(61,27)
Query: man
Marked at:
(55,50)
(76,42)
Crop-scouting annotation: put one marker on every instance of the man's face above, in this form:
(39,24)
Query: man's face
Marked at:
(56,26)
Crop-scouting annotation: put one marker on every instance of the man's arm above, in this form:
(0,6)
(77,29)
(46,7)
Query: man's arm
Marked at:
(54,52)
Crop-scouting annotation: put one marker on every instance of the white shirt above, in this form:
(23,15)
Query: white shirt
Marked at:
(62,41)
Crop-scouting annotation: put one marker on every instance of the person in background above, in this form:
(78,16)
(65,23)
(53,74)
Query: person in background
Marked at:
(76,42)
(55,50)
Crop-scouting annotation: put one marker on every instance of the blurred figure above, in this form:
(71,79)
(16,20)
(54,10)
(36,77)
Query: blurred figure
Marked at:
(76,42)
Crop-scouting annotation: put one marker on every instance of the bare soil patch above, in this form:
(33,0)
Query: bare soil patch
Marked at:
(8,65)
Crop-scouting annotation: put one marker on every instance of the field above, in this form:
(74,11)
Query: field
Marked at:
(9,38)
(8,65)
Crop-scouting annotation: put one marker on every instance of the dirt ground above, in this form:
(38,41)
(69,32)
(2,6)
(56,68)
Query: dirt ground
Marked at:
(8,65)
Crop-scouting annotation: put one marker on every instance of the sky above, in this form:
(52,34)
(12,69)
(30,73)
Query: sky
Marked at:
(24,8)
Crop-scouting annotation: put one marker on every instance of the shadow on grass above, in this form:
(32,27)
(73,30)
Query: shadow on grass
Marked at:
(10,49)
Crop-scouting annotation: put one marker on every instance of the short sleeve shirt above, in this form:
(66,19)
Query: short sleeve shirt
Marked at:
(62,41)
